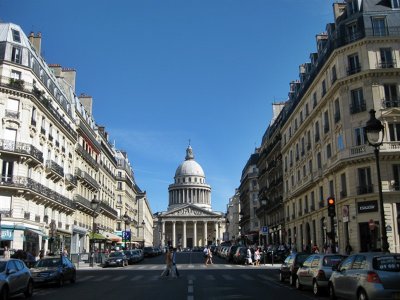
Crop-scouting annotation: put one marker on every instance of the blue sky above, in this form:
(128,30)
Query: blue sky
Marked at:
(162,72)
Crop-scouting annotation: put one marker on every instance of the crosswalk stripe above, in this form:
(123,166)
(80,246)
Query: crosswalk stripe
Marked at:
(210,277)
(228,266)
(102,278)
(119,278)
(137,277)
(227,277)
(247,277)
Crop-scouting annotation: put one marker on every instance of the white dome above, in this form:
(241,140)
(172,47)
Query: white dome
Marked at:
(189,168)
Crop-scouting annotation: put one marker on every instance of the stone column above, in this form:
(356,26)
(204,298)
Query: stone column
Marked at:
(163,233)
(173,234)
(216,232)
(194,233)
(184,234)
(205,233)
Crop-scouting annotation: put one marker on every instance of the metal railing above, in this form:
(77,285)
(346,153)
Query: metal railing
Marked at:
(54,167)
(22,148)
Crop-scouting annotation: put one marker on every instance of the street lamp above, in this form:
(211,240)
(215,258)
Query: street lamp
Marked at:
(375,131)
(94,204)
(127,221)
(264,206)
(143,232)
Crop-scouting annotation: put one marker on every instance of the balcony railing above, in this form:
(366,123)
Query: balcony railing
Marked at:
(87,178)
(21,148)
(365,189)
(389,103)
(82,201)
(87,156)
(387,64)
(12,114)
(22,182)
(54,167)
(71,180)
(109,210)
(360,107)
(353,70)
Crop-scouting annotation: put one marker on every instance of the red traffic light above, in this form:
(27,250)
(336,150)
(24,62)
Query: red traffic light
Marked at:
(331,201)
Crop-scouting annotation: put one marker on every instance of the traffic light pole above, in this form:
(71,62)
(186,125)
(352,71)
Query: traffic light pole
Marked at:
(333,244)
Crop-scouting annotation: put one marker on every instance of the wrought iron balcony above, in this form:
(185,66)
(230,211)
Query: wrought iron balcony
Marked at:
(106,209)
(389,103)
(87,179)
(22,148)
(87,156)
(82,204)
(71,180)
(353,70)
(25,183)
(365,189)
(12,114)
(54,168)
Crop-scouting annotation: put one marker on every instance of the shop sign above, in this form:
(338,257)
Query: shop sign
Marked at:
(345,212)
(367,206)
(7,234)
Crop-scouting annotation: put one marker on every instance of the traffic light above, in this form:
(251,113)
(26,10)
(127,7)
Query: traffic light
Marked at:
(331,207)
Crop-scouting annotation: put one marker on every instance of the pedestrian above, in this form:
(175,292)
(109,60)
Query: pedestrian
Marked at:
(348,249)
(315,249)
(41,253)
(65,252)
(168,263)
(175,272)
(257,257)
(7,254)
(249,261)
(209,256)
(205,254)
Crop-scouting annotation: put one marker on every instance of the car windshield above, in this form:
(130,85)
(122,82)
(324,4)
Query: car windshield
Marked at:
(2,266)
(330,261)
(389,263)
(302,257)
(115,254)
(46,263)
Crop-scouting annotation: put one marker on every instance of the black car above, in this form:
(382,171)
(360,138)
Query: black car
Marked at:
(149,252)
(231,252)
(117,258)
(132,256)
(54,269)
(289,267)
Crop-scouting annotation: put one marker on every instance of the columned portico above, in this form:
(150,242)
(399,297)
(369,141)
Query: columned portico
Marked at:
(194,233)
(184,235)
(205,234)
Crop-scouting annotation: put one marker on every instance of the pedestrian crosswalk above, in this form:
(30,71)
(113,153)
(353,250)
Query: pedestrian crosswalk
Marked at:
(192,277)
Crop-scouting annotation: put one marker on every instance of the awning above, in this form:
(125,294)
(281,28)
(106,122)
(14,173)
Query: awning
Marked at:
(36,231)
(112,237)
(97,236)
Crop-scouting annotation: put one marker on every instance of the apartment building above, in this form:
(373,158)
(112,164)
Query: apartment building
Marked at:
(324,148)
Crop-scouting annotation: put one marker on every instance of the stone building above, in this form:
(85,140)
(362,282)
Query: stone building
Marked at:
(189,220)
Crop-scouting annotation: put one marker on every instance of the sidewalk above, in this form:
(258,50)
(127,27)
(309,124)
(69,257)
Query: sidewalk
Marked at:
(87,266)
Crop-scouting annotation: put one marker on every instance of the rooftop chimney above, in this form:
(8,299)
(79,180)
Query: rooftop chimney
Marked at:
(36,41)
(87,102)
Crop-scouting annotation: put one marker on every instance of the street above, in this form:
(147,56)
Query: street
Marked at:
(197,281)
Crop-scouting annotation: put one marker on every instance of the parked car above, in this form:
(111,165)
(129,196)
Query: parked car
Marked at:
(276,253)
(149,252)
(240,255)
(316,271)
(131,256)
(15,278)
(54,269)
(370,275)
(117,258)
(291,264)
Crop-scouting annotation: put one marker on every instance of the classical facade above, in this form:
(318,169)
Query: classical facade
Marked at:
(189,220)
(324,147)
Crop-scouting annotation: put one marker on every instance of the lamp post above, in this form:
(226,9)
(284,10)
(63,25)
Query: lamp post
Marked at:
(227,228)
(375,131)
(143,223)
(126,222)
(94,204)
(264,205)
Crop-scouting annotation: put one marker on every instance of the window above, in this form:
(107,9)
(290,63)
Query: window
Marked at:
(394,132)
(357,101)
(360,136)
(326,122)
(331,189)
(379,26)
(333,74)
(352,7)
(307,112)
(16,75)
(16,55)
(340,144)
(301,117)
(353,64)
(364,181)
(395,3)
(328,151)
(314,100)
(7,171)
(343,185)
(317,132)
(386,57)
(310,166)
(16,36)
(396,177)
(302,146)
(312,200)
(33,117)
(391,99)
(337,111)
(323,87)
(321,194)
(352,32)
(319,160)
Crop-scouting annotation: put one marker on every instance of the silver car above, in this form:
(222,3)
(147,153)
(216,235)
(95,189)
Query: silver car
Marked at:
(370,275)
(316,271)
(15,278)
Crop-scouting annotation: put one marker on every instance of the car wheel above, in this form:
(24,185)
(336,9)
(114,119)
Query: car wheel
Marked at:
(316,290)
(4,293)
(73,278)
(292,279)
(29,289)
(298,284)
(60,281)
(362,295)
(332,295)
(281,277)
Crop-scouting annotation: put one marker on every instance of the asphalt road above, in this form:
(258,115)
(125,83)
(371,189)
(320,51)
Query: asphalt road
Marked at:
(196,281)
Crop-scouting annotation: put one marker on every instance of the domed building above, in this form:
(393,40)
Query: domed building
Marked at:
(189,220)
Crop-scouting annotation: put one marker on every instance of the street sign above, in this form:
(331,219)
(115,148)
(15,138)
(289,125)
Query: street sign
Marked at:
(126,236)
(264,230)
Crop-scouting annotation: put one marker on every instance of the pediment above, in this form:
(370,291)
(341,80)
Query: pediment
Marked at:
(190,211)
(392,112)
